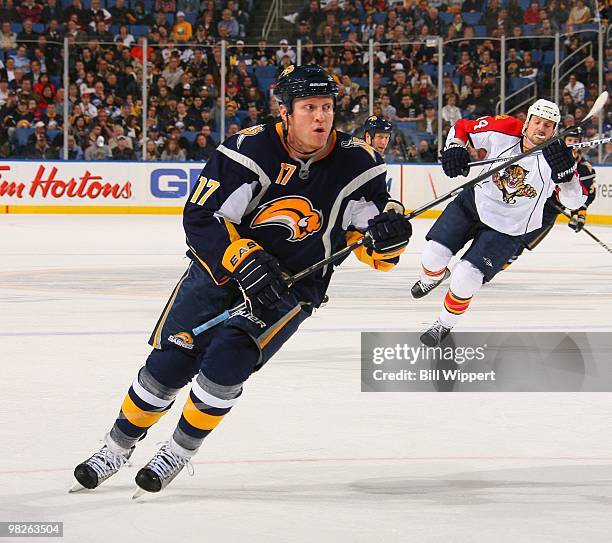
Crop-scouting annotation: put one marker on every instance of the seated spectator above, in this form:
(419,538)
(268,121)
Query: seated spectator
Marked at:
(228,24)
(21,60)
(201,150)
(450,112)
(165,6)
(121,14)
(172,152)
(8,38)
(579,14)
(182,30)
(285,51)
(532,14)
(408,110)
(122,151)
(576,89)
(429,123)
(152,152)
(98,150)
(74,151)
(425,152)
(253,118)
(124,37)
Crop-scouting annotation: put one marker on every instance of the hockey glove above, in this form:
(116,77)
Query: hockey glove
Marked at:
(388,232)
(455,160)
(257,273)
(578,219)
(561,161)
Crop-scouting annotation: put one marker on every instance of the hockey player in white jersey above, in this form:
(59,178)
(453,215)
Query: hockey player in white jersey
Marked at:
(495,213)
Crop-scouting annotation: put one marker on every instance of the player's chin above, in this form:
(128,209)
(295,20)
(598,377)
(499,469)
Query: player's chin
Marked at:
(319,135)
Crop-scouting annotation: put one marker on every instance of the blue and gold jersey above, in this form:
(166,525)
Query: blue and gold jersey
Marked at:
(300,211)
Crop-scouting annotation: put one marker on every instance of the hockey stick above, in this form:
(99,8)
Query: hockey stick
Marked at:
(581,145)
(583,229)
(597,107)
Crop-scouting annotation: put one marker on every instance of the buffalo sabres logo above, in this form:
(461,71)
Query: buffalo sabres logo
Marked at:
(356,142)
(251,131)
(182,339)
(287,70)
(372,118)
(512,184)
(294,213)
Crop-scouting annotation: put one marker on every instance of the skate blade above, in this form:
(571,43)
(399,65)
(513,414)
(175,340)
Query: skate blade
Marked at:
(139,492)
(76,487)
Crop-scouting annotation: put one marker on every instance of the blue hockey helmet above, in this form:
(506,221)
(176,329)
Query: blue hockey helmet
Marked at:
(375,125)
(301,81)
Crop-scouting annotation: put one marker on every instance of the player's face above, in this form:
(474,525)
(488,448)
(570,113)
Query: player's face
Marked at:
(571,140)
(380,142)
(311,122)
(539,130)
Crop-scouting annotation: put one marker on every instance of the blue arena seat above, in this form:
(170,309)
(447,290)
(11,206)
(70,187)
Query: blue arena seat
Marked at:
(472,18)
(189,135)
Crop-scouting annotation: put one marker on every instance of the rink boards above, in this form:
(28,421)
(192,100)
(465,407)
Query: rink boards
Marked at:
(162,188)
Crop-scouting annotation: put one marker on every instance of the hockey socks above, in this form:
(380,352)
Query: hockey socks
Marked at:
(204,409)
(145,403)
(465,282)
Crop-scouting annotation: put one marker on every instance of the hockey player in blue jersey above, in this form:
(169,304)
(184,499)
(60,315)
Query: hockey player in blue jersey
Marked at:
(272,200)
(377,133)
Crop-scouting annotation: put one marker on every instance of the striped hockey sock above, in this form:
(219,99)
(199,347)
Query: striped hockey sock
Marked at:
(204,409)
(454,307)
(145,403)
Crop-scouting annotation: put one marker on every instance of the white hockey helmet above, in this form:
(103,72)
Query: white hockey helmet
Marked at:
(546,109)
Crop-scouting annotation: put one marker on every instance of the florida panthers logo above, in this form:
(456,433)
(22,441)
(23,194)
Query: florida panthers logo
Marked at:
(512,184)
(294,213)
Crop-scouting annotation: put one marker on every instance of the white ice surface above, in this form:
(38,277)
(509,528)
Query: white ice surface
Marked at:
(304,456)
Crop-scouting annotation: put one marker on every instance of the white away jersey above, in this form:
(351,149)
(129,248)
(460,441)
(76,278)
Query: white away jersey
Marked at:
(512,200)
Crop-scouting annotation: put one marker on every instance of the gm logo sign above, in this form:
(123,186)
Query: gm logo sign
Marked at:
(173,182)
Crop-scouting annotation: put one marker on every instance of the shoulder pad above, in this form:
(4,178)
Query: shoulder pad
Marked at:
(358,147)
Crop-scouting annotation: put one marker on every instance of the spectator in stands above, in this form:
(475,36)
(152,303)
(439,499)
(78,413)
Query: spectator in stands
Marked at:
(253,118)
(388,110)
(124,37)
(532,14)
(42,150)
(172,152)
(285,51)
(450,112)
(30,10)
(8,38)
(201,150)
(74,151)
(528,70)
(575,88)
(229,24)
(426,152)
(22,62)
(579,14)
(172,72)
(429,123)
(152,151)
(588,73)
(165,6)
(408,110)
(122,151)
(98,150)
(182,30)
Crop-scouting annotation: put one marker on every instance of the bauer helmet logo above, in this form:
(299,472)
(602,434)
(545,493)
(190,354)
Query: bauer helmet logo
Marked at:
(295,213)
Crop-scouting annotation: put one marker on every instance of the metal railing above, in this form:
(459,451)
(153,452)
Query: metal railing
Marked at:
(530,97)
(272,18)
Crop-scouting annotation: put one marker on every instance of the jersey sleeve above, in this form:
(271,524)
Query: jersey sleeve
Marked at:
(587,178)
(478,133)
(219,199)
(572,194)
(371,203)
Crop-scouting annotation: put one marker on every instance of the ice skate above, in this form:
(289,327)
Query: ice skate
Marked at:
(420,288)
(99,467)
(435,335)
(167,463)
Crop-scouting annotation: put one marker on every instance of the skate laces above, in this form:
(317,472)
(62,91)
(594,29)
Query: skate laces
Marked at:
(438,328)
(166,462)
(105,462)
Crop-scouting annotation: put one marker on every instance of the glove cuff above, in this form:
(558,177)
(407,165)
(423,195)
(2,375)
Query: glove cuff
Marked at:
(237,251)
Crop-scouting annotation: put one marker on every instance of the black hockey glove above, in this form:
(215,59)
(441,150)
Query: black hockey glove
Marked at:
(578,219)
(561,161)
(257,272)
(387,232)
(455,160)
